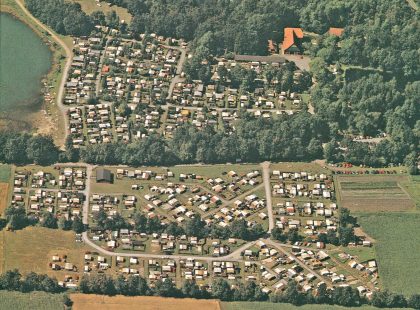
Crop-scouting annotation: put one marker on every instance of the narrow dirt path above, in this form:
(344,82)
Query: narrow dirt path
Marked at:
(63,109)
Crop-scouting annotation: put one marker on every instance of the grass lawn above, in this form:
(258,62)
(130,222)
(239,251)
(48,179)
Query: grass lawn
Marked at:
(32,248)
(5,171)
(35,300)
(274,306)
(397,247)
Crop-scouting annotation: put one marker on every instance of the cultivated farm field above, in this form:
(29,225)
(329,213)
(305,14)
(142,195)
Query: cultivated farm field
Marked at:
(280,306)
(94,302)
(372,193)
(397,248)
(35,300)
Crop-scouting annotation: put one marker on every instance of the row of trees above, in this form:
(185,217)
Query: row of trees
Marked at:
(287,138)
(221,289)
(64,17)
(344,296)
(17,218)
(138,286)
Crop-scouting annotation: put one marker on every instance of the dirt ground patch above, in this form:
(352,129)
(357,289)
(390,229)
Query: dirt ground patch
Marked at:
(93,302)
(374,193)
(358,231)
(4,187)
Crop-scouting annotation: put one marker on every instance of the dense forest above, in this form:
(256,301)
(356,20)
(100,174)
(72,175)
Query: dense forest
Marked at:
(64,17)
(377,88)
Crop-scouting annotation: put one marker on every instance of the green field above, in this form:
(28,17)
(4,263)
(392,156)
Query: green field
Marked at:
(26,301)
(5,173)
(397,247)
(273,306)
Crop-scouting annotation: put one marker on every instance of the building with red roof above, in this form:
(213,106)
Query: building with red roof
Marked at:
(292,42)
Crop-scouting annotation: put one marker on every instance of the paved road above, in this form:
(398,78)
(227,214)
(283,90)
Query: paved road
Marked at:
(69,54)
(179,68)
(267,186)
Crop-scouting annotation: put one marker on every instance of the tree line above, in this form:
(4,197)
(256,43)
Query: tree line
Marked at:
(16,218)
(135,285)
(343,296)
(12,280)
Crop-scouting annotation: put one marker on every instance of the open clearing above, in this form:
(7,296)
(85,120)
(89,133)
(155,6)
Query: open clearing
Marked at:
(31,249)
(372,193)
(93,302)
(90,6)
(35,300)
(273,306)
(397,247)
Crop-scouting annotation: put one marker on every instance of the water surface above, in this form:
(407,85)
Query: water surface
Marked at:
(24,60)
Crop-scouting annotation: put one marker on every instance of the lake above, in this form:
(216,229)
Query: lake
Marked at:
(24,60)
